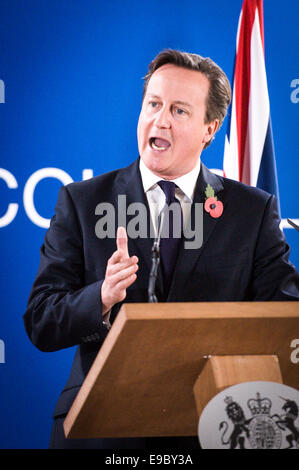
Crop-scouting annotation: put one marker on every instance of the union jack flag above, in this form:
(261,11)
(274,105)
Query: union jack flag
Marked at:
(249,150)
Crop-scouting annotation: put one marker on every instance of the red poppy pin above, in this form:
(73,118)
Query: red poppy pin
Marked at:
(212,205)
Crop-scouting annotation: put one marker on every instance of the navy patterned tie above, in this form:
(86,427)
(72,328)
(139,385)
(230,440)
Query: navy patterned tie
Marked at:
(169,246)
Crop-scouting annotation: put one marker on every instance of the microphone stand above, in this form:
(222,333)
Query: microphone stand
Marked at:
(155,264)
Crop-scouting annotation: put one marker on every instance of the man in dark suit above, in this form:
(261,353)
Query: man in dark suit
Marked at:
(83,278)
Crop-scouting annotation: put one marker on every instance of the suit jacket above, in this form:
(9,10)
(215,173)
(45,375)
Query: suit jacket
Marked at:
(244,257)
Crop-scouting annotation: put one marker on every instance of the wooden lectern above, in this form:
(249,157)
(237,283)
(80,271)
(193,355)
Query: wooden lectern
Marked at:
(161,363)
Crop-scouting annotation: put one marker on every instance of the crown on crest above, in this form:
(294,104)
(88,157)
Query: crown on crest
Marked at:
(259,406)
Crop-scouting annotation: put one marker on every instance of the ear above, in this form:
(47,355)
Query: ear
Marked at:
(211,130)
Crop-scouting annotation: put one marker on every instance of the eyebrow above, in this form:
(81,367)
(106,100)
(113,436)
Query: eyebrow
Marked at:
(184,103)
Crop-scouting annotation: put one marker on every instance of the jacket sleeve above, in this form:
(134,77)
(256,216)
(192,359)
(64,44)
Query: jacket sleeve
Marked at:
(274,276)
(62,311)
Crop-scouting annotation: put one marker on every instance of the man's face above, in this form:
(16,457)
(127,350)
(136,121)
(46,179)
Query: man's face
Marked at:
(171,128)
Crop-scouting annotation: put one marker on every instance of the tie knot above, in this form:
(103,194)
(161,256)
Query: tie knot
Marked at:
(168,187)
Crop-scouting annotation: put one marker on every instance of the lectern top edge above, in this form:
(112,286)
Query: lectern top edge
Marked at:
(209,310)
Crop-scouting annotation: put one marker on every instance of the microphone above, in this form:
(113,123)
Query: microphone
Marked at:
(155,264)
(293,224)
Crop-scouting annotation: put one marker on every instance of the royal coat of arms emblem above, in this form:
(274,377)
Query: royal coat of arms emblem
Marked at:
(251,422)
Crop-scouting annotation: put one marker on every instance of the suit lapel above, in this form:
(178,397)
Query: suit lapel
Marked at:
(188,258)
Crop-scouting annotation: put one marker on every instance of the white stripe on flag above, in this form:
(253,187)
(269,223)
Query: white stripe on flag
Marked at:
(259,107)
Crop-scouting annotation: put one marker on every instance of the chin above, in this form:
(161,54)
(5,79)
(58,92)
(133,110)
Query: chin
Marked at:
(155,166)
(156,161)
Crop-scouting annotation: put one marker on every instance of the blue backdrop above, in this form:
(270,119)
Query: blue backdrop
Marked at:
(70,92)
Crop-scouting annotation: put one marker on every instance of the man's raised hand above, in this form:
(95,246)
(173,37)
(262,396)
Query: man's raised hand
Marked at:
(120,273)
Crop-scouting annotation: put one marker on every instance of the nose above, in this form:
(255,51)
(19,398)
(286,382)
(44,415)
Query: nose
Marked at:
(163,119)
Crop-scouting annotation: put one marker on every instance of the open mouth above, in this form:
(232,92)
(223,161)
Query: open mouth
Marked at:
(157,143)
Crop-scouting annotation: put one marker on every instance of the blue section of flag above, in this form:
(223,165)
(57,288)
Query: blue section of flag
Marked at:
(267,178)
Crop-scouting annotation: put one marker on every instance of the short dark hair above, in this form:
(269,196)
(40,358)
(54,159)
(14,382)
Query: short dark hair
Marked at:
(219,96)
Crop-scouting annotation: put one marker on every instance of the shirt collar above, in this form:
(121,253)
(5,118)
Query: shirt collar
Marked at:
(186,183)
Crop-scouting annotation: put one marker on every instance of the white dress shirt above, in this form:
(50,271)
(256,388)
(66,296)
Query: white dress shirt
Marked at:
(156,197)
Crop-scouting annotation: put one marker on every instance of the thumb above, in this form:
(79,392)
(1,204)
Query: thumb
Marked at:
(122,241)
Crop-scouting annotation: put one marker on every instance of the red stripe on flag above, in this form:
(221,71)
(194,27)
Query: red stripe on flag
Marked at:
(242,77)
(261,18)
